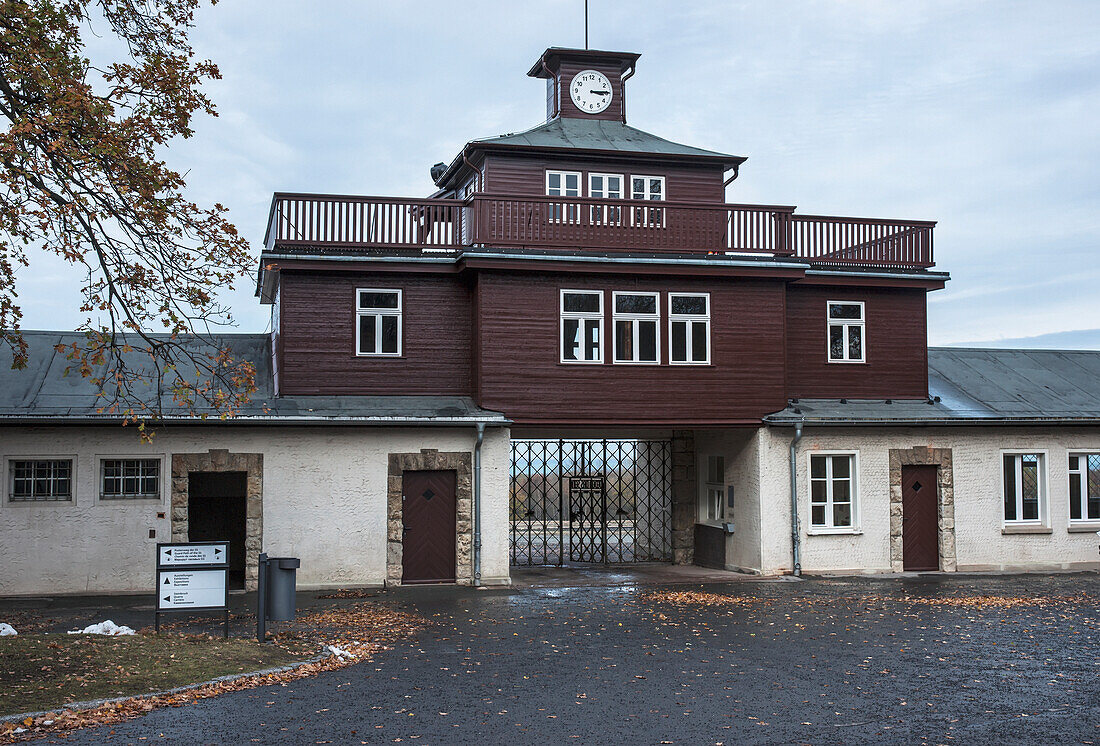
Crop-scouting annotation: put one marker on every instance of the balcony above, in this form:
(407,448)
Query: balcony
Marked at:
(334,224)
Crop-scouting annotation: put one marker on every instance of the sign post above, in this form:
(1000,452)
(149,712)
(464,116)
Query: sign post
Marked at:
(192,577)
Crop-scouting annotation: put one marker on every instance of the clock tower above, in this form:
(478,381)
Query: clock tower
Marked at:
(585,83)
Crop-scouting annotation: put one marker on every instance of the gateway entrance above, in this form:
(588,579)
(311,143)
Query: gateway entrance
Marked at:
(602,501)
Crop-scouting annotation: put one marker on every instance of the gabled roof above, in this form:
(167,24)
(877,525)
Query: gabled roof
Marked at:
(593,137)
(43,393)
(978,386)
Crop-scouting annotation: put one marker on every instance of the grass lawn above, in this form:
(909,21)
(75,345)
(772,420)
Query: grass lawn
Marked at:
(44,672)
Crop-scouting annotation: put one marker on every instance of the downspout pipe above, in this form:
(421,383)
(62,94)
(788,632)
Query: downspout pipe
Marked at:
(477,503)
(796,534)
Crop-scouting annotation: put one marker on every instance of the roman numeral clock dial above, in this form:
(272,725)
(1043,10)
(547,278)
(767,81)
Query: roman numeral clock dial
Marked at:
(590,91)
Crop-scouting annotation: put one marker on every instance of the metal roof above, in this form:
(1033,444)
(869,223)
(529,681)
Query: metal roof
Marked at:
(977,386)
(43,393)
(600,134)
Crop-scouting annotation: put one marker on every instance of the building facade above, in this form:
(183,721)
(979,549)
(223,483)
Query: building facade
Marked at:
(575,351)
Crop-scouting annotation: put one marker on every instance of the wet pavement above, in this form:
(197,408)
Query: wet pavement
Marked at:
(920,659)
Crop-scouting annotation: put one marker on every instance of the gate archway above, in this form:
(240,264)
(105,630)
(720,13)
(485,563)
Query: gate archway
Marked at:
(606,501)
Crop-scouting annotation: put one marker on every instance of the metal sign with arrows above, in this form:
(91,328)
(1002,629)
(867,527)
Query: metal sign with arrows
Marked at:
(192,578)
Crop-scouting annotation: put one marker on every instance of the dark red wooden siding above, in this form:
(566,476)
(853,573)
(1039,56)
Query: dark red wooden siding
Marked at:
(317,335)
(520,372)
(896,344)
(525,176)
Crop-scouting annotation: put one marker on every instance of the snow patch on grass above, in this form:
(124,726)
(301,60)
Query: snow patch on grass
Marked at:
(104,628)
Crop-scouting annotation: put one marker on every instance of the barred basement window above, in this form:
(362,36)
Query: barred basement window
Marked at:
(1023,487)
(636,317)
(689,328)
(1084,487)
(129,479)
(378,322)
(832,491)
(582,326)
(846,326)
(41,480)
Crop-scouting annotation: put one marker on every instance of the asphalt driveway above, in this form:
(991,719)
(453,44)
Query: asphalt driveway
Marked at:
(927,659)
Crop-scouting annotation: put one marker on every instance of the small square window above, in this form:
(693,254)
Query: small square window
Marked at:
(378,323)
(832,492)
(846,326)
(129,479)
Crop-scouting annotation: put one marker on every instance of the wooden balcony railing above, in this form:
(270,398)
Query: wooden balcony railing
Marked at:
(387,224)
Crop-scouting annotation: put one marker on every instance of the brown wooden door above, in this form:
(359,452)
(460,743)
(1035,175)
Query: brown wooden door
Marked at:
(428,511)
(920,523)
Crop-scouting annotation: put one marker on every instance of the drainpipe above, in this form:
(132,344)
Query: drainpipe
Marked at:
(477,502)
(796,535)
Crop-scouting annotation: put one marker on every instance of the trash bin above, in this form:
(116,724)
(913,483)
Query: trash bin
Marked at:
(281,580)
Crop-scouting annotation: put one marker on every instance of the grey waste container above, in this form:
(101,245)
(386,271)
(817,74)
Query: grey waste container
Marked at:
(281,580)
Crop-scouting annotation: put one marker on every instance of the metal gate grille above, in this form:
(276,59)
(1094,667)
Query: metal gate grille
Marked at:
(590,501)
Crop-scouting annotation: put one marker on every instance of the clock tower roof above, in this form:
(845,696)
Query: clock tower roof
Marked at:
(548,64)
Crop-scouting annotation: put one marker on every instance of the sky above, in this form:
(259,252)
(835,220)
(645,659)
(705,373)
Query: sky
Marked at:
(980,115)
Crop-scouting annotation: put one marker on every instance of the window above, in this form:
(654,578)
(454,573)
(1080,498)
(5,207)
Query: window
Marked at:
(648,188)
(563,184)
(832,491)
(636,317)
(606,186)
(582,326)
(689,328)
(129,479)
(846,332)
(714,490)
(40,480)
(1084,486)
(1023,487)
(378,322)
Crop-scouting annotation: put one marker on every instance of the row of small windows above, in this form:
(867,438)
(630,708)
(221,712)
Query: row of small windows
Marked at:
(567,184)
(51,480)
(636,322)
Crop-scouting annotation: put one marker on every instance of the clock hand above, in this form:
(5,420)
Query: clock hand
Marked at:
(600,93)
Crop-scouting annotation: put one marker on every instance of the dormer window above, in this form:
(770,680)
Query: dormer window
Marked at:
(846,326)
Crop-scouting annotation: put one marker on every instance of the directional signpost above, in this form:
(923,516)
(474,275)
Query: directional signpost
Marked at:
(192,577)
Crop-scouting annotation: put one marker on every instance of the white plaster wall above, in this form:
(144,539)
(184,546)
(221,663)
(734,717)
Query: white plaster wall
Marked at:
(976,454)
(741,450)
(324,501)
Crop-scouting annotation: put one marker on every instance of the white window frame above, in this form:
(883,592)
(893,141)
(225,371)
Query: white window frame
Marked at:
(645,221)
(582,316)
(378,313)
(709,489)
(1082,471)
(9,479)
(616,317)
(554,215)
(829,528)
(846,324)
(689,318)
(100,460)
(1041,486)
(606,214)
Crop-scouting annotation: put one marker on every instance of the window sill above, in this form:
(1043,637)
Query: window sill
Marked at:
(1084,527)
(1006,530)
(834,532)
(847,362)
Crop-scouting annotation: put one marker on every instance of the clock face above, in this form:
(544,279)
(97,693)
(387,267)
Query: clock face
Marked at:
(590,91)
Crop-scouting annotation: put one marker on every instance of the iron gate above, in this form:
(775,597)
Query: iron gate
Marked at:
(590,501)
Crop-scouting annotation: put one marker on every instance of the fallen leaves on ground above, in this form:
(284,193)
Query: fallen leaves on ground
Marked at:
(359,631)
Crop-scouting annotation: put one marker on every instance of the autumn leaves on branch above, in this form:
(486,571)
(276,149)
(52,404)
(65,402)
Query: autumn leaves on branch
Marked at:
(80,177)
